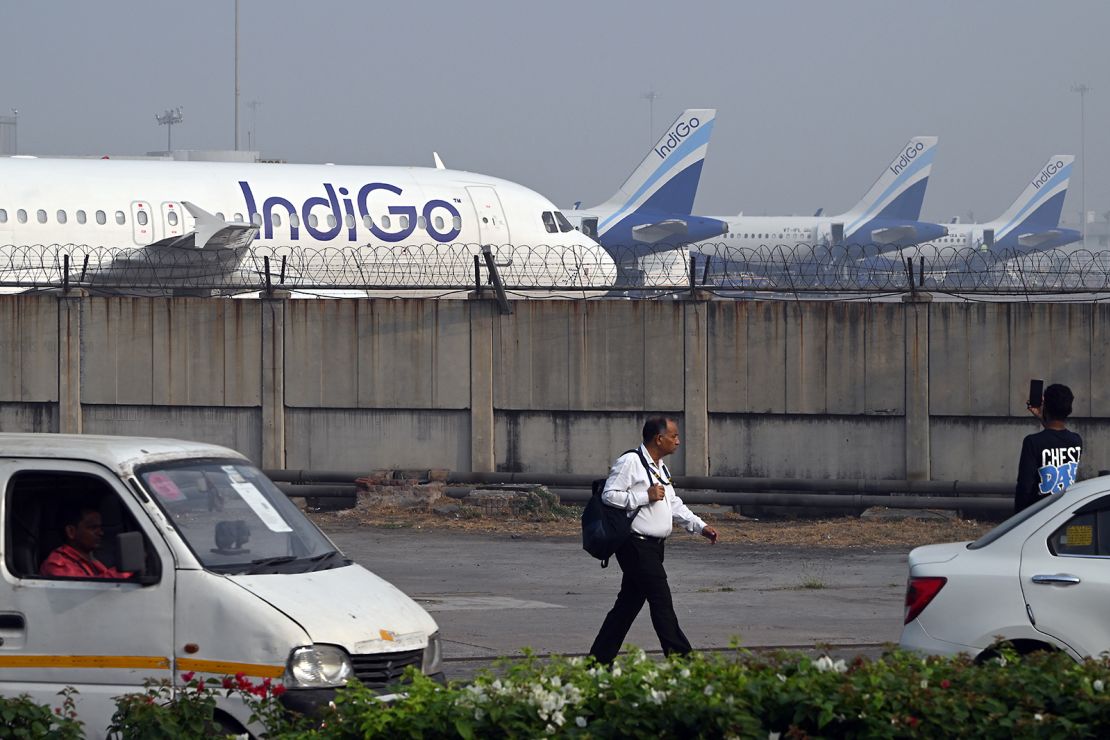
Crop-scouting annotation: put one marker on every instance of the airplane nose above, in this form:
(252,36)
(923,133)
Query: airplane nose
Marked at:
(600,269)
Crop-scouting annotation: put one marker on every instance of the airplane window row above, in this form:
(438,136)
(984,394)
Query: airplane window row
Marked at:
(172,219)
(757,236)
(555,221)
(62,217)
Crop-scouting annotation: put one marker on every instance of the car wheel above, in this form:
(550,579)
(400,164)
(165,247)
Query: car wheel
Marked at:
(1021,647)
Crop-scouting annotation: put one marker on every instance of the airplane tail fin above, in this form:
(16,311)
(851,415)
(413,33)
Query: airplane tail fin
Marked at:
(900,190)
(1039,206)
(667,179)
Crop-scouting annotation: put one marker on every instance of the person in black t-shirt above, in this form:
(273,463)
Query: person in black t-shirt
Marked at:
(1050,458)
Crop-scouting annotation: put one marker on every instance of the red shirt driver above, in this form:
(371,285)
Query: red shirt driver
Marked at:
(83,531)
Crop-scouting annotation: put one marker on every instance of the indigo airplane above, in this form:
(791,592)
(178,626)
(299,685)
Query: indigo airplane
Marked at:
(651,211)
(886,216)
(1030,224)
(427,224)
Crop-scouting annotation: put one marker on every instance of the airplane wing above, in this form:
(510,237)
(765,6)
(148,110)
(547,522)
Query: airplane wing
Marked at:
(1037,238)
(892,234)
(651,233)
(210,232)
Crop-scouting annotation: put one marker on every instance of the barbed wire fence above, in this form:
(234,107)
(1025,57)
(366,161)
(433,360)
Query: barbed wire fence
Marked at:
(797,270)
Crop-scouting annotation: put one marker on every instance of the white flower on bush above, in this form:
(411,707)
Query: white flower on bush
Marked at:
(825,663)
(556,681)
(1001,660)
(558,718)
(1097,685)
(708,689)
(924,683)
(780,677)
(580,721)
(1038,716)
(658,697)
(685,673)
(617,672)
(479,714)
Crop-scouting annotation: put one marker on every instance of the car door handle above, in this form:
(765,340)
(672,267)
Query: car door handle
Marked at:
(1057,579)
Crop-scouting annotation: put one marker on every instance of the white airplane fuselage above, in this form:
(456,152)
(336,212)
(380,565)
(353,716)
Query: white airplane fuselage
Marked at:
(138,204)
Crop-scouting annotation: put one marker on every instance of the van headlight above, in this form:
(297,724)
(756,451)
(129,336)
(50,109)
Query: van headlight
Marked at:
(318,666)
(433,656)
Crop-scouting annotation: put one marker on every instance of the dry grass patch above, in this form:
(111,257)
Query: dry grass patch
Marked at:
(833,533)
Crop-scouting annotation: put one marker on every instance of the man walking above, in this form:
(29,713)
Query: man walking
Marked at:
(640,483)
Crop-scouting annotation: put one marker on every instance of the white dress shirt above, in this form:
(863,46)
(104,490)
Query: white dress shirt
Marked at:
(627,488)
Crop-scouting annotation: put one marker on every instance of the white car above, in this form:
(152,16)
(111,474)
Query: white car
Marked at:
(1040,580)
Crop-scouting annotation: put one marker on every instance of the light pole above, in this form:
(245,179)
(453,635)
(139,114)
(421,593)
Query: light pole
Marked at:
(650,96)
(236,75)
(168,119)
(1083,89)
(252,134)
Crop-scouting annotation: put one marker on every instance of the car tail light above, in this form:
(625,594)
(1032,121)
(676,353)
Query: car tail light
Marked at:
(919,592)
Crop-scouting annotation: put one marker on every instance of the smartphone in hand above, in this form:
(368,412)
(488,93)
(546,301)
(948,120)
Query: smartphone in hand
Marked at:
(1036,394)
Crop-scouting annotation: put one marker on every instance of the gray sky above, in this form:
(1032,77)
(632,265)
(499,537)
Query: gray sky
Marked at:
(813,98)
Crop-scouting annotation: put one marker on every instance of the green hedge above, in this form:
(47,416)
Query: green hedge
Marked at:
(742,694)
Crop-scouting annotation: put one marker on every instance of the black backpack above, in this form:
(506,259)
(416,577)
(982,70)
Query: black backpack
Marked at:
(605,527)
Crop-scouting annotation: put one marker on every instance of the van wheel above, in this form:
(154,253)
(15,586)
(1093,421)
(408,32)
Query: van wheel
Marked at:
(224,724)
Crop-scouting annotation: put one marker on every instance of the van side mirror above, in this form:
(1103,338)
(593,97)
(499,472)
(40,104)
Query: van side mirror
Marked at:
(132,556)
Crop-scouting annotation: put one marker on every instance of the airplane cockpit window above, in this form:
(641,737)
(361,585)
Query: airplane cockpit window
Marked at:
(141,218)
(61,215)
(121,218)
(101,218)
(3,216)
(564,224)
(40,214)
(81,218)
(549,222)
(21,216)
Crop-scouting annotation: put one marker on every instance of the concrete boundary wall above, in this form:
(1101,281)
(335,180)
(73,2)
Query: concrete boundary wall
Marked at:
(912,390)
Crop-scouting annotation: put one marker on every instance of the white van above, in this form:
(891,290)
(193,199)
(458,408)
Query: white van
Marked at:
(226,576)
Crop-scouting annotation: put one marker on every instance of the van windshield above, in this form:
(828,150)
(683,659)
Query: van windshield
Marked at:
(235,520)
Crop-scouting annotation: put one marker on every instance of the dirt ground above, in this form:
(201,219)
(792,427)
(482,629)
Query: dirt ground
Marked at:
(848,532)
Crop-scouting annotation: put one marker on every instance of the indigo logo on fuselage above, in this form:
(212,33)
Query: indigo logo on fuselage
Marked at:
(340,205)
(1047,173)
(907,156)
(675,137)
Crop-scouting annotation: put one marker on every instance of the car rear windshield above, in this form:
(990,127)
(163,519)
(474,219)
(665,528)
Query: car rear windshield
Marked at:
(235,520)
(1015,520)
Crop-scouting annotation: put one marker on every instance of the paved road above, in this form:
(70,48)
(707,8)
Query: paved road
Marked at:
(495,595)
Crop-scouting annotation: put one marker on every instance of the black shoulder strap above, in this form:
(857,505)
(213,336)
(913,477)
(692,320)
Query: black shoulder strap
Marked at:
(644,461)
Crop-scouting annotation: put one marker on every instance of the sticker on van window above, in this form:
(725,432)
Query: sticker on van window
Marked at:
(254,499)
(1079,535)
(164,486)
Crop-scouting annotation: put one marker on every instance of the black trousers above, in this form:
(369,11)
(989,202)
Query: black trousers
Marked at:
(644,580)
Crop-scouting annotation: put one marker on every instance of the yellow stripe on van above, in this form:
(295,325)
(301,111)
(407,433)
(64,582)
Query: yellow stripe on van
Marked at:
(85,661)
(227,668)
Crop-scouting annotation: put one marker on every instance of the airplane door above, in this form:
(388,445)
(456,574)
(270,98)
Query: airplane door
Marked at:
(492,227)
(142,222)
(173,219)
